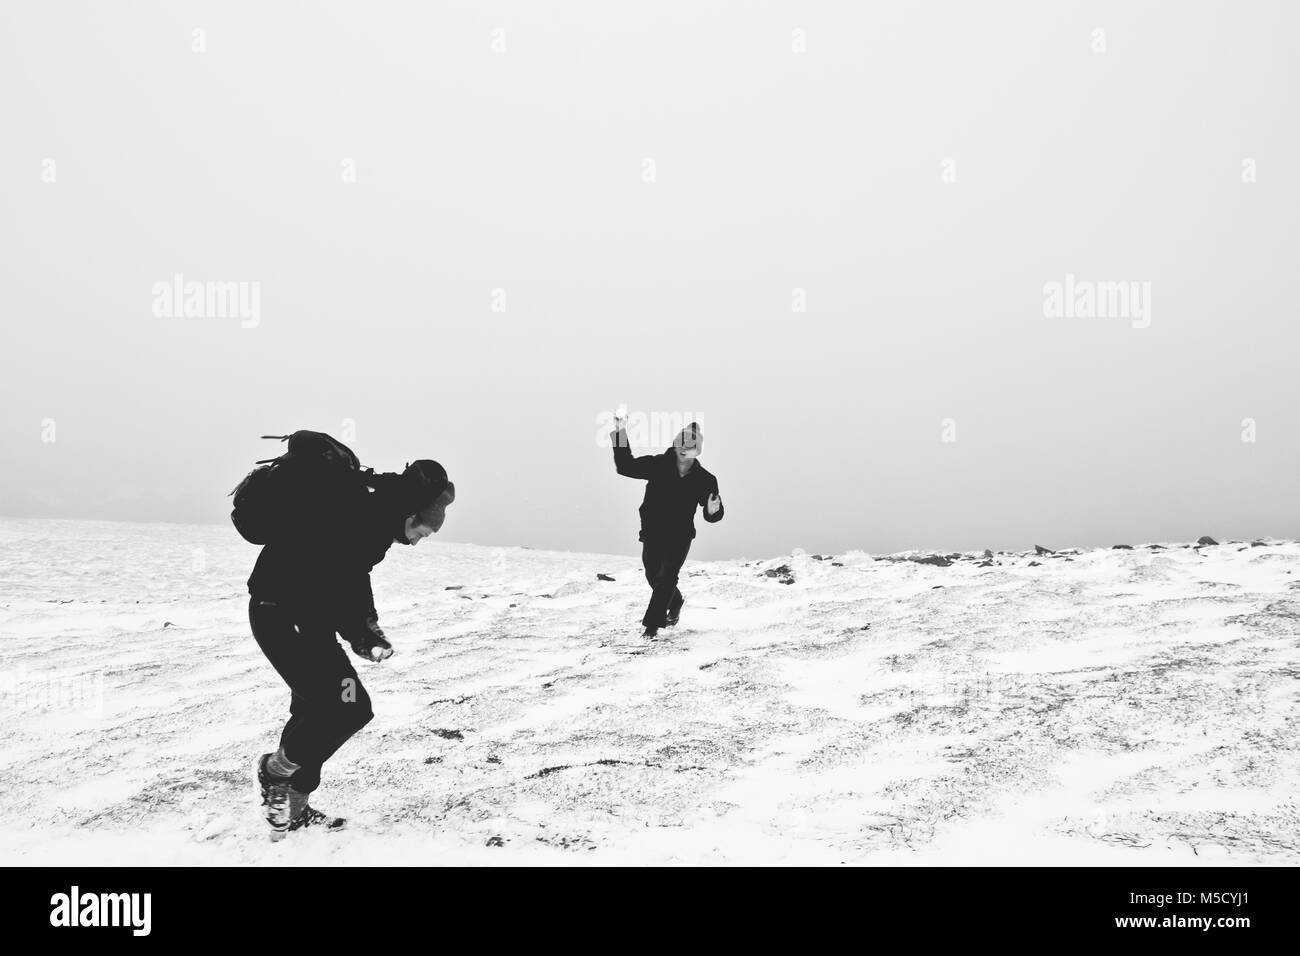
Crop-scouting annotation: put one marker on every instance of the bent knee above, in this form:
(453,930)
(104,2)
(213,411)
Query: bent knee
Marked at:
(352,712)
(358,713)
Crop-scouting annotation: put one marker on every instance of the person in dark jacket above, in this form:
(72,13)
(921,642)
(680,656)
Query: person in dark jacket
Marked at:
(314,582)
(676,484)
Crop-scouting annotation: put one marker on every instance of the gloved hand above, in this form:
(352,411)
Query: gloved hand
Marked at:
(369,642)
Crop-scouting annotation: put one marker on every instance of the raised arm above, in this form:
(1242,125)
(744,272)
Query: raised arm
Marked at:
(624,462)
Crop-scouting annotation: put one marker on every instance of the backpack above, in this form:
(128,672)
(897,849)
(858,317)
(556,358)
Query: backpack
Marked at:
(316,471)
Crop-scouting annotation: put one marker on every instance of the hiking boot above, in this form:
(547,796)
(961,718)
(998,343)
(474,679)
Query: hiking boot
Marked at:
(674,615)
(313,818)
(275,798)
(650,632)
(302,815)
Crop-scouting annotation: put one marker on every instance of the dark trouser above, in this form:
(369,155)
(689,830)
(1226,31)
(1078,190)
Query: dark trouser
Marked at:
(663,562)
(328,704)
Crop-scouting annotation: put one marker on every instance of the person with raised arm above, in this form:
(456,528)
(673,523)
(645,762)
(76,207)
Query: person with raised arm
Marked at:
(676,484)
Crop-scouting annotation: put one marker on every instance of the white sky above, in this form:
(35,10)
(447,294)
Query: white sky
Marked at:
(523,171)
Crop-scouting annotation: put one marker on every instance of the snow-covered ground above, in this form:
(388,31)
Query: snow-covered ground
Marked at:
(1103,707)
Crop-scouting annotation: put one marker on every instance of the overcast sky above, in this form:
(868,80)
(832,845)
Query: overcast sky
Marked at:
(826,231)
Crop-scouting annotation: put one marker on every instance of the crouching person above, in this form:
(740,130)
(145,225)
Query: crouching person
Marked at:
(314,582)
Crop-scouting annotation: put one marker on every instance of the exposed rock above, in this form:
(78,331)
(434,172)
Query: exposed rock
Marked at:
(938,560)
(783,572)
(1121,547)
(603,577)
(1206,541)
(988,555)
(1035,564)
(1039,549)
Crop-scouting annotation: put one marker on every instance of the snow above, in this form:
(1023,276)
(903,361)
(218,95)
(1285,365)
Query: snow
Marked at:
(1104,707)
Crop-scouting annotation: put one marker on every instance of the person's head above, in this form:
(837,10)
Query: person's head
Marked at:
(426,492)
(689,443)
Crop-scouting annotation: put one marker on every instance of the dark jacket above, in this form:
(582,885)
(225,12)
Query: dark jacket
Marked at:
(668,511)
(320,571)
